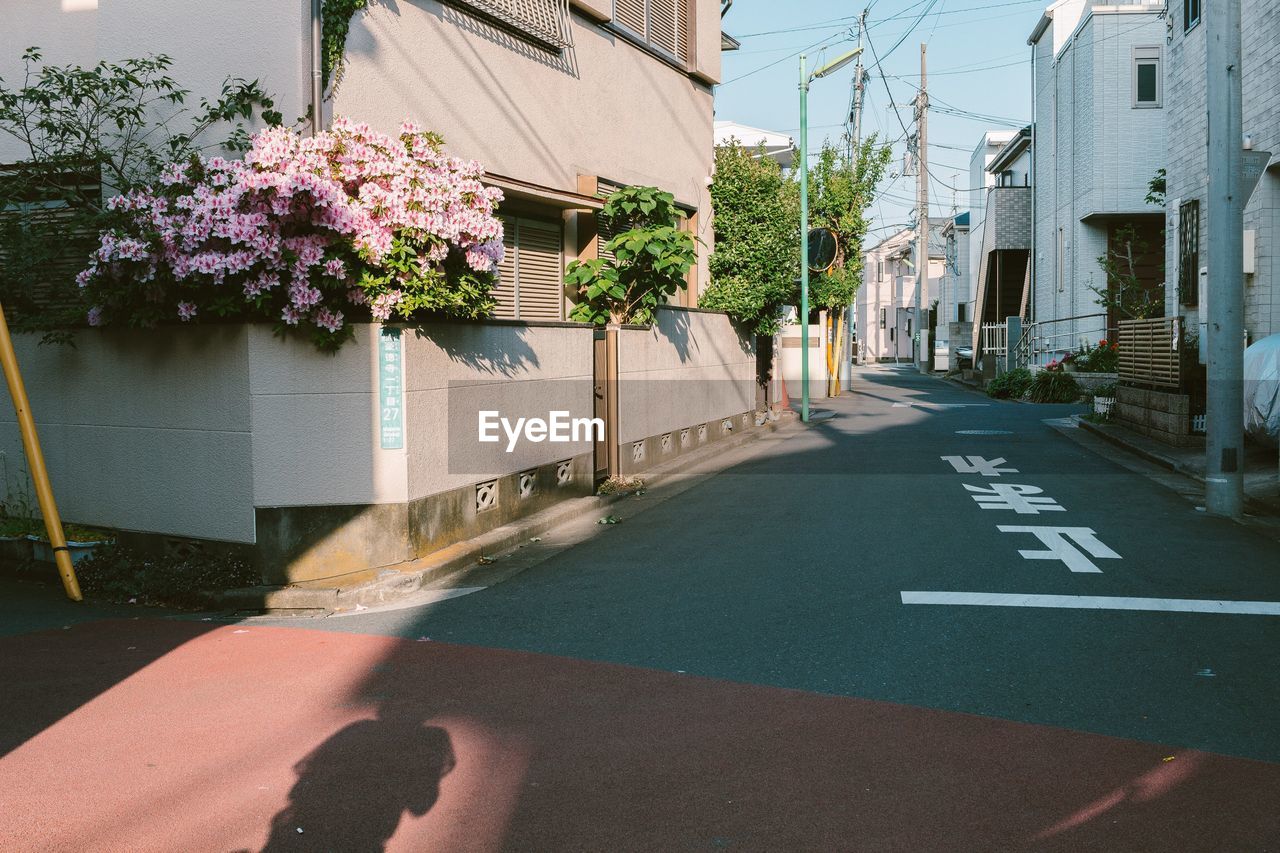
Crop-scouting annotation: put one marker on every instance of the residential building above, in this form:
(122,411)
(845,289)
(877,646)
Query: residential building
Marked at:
(1186,246)
(1099,140)
(885,306)
(981,180)
(1002,276)
(560,101)
(776,146)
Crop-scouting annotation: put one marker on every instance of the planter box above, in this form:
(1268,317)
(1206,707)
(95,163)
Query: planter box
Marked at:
(42,551)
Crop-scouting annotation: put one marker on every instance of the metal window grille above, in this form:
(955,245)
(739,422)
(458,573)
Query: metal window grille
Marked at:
(542,22)
(1189,252)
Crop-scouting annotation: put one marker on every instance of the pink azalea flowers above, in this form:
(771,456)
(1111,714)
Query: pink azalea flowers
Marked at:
(301,232)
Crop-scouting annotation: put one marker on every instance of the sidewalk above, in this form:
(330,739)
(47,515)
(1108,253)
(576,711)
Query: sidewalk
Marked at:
(1261,467)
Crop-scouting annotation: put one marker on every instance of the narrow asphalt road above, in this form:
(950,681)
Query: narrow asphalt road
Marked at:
(932,622)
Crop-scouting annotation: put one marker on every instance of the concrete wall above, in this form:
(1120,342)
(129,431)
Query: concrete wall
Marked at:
(269,42)
(1096,151)
(691,367)
(606,107)
(1188,170)
(149,432)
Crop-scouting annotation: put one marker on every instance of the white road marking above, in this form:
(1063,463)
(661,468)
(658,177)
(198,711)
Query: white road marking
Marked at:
(1062,549)
(924,405)
(1096,602)
(1014,497)
(979,465)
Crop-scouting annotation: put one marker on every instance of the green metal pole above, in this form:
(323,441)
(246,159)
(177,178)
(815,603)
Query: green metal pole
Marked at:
(804,240)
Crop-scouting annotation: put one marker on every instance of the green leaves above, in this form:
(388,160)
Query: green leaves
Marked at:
(647,264)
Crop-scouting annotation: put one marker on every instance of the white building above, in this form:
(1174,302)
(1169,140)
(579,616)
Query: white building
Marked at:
(1184,81)
(980,180)
(885,307)
(1099,140)
(955,289)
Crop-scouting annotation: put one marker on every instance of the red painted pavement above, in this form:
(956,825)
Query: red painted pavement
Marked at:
(171,736)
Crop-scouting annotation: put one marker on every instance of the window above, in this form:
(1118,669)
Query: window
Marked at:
(1146,77)
(661,24)
(1190,14)
(1189,253)
(531,275)
(962,313)
(884,317)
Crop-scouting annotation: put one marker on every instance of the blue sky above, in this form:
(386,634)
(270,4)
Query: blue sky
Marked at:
(966,38)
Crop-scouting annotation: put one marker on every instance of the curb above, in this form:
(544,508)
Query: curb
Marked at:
(458,565)
(1139,451)
(1252,504)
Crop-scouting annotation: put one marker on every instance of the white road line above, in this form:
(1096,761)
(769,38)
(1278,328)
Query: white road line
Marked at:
(941,405)
(1096,602)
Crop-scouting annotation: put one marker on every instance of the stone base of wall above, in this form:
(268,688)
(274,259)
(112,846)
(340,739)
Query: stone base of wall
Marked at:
(639,456)
(1161,415)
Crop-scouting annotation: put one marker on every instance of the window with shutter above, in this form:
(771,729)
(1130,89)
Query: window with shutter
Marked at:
(540,280)
(531,275)
(662,24)
(632,15)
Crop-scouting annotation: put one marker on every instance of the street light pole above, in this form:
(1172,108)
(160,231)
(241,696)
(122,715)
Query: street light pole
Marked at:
(805,79)
(804,239)
(1224,481)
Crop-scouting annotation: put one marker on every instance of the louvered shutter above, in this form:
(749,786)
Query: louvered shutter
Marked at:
(541,270)
(662,25)
(505,290)
(631,14)
(682,30)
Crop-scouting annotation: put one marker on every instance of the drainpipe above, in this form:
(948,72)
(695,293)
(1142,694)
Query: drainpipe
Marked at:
(317,67)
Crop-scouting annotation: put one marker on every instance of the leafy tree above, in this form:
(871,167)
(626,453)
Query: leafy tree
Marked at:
(112,126)
(840,193)
(1125,295)
(644,264)
(757,239)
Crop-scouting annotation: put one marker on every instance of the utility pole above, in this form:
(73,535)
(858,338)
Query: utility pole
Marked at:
(859,90)
(922,229)
(1224,483)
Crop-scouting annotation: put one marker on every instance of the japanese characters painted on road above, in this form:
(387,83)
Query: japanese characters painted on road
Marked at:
(1014,497)
(1060,547)
(979,465)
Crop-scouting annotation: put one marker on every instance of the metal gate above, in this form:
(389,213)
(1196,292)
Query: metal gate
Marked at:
(605,402)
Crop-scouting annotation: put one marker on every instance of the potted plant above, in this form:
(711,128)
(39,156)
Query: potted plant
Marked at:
(1104,399)
(81,542)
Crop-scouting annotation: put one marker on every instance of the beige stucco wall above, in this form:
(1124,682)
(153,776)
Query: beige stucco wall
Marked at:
(208,42)
(605,107)
(689,368)
(517,371)
(184,431)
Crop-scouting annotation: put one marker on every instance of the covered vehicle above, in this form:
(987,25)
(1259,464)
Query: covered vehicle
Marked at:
(1262,390)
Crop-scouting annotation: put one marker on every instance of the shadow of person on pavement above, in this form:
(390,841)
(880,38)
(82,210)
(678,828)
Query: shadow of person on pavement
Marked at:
(353,789)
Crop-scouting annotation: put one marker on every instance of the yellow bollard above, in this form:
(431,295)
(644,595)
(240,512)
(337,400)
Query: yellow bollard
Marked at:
(35,462)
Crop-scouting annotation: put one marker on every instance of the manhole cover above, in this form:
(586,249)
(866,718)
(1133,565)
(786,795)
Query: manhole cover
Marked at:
(983,432)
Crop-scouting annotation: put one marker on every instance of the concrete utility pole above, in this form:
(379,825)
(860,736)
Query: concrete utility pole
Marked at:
(1224,483)
(922,234)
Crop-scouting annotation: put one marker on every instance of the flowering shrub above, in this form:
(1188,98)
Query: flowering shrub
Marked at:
(1104,358)
(302,232)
